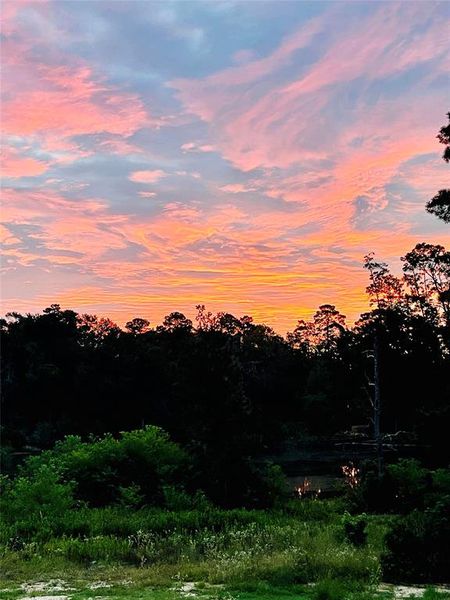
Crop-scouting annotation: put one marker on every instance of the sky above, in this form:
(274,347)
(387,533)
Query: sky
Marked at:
(242,155)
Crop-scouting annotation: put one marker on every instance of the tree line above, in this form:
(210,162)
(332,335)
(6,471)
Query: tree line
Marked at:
(227,388)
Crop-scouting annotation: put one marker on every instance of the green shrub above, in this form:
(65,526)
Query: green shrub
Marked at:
(30,506)
(418,546)
(131,470)
(440,486)
(130,496)
(355,529)
(408,482)
(404,486)
(276,486)
(177,499)
(41,495)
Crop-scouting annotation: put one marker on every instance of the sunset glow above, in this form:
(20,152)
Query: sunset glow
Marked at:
(242,155)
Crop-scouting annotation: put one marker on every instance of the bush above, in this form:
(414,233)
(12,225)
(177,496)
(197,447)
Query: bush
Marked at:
(440,486)
(276,486)
(145,468)
(130,496)
(355,529)
(41,495)
(131,470)
(404,486)
(418,546)
(30,507)
(407,482)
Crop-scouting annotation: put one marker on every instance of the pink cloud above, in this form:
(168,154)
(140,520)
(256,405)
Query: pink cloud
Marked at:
(71,102)
(11,13)
(147,176)
(13,164)
(281,125)
(49,104)
(61,224)
(237,188)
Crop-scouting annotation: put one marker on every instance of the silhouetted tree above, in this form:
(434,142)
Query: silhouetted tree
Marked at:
(385,290)
(439,205)
(303,336)
(137,326)
(427,273)
(176,321)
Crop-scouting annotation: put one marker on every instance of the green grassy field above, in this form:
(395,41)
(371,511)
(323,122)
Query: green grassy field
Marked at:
(111,553)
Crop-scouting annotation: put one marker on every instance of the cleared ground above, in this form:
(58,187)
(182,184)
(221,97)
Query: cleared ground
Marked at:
(135,588)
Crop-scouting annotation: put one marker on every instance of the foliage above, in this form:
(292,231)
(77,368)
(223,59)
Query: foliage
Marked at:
(130,496)
(322,334)
(38,498)
(131,469)
(355,529)
(440,204)
(404,486)
(418,546)
(276,486)
(427,273)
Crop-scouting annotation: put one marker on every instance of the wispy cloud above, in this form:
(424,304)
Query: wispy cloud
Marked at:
(147,176)
(191,165)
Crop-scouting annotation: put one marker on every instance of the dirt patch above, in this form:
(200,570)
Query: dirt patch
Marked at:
(44,598)
(403,592)
(53,585)
(98,585)
(187,589)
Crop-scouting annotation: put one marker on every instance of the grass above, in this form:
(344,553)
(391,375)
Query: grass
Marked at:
(231,555)
(301,545)
(122,522)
